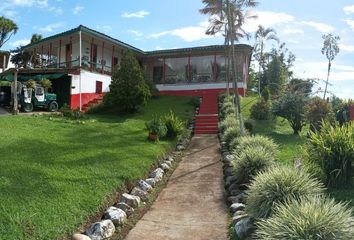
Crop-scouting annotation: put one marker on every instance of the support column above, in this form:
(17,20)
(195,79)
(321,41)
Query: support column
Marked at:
(91,55)
(112,61)
(102,60)
(4,63)
(189,68)
(164,71)
(15,107)
(50,54)
(42,56)
(80,63)
(59,53)
(214,71)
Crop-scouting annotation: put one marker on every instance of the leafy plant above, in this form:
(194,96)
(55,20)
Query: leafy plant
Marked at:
(276,186)
(31,84)
(254,141)
(261,110)
(128,89)
(46,83)
(250,161)
(72,114)
(231,133)
(316,111)
(229,121)
(174,125)
(156,126)
(291,106)
(332,149)
(314,218)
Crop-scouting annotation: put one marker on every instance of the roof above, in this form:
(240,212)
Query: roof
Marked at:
(88,31)
(203,49)
(180,51)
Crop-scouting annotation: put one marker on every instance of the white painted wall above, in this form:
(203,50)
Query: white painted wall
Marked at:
(88,82)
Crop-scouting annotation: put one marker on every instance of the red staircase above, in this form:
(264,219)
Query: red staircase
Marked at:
(91,103)
(206,122)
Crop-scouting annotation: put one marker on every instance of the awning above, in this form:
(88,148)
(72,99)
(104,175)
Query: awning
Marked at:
(38,77)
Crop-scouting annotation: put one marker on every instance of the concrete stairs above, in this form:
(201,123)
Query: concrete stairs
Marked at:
(92,103)
(206,122)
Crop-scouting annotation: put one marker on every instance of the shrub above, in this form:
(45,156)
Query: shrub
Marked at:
(254,141)
(261,110)
(227,108)
(97,108)
(249,125)
(249,161)
(228,122)
(291,106)
(277,185)
(265,94)
(72,114)
(156,126)
(314,218)
(332,149)
(316,111)
(231,133)
(128,89)
(174,125)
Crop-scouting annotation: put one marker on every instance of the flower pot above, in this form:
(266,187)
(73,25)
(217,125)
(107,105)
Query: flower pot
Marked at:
(153,136)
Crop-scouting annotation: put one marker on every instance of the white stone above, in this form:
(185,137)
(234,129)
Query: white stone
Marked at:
(237,206)
(151,181)
(157,174)
(78,236)
(170,159)
(243,227)
(131,200)
(144,186)
(118,216)
(101,230)
(140,193)
(164,167)
(125,207)
(169,163)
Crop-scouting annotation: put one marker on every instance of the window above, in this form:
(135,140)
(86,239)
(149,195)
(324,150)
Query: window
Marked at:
(157,74)
(98,87)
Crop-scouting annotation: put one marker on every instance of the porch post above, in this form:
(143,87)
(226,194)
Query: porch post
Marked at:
(50,54)
(15,107)
(42,56)
(102,60)
(59,52)
(189,68)
(164,71)
(80,53)
(112,67)
(91,55)
(214,72)
(4,63)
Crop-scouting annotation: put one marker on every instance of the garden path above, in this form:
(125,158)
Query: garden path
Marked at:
(192,205)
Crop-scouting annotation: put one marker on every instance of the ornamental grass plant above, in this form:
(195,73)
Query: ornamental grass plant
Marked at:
(276,186)
(313,218)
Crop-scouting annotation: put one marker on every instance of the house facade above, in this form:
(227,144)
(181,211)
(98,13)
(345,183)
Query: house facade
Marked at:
(81,61)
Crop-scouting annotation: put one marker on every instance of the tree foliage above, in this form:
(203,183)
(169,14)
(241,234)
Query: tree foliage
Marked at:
(22,58)
(291,106)
(7,29)
(128,89)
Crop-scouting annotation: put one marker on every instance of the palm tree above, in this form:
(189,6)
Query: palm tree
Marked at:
(330,49)
(262,35)
(36,37)
(229,16)
(7,29)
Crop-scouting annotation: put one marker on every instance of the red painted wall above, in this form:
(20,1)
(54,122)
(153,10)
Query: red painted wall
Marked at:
(85,97)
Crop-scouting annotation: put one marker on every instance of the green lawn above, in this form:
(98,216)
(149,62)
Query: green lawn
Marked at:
(290,144)
(54,174)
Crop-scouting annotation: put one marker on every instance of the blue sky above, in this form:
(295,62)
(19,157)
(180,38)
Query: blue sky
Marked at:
(162,24)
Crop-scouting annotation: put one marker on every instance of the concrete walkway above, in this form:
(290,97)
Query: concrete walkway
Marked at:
(192,205)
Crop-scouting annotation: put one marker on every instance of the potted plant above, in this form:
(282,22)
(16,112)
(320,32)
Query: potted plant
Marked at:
(156,129)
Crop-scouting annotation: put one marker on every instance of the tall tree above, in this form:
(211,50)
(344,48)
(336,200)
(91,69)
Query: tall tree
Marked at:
(330,49)
(22,58)
(262,35)
(228,17)
(7,29)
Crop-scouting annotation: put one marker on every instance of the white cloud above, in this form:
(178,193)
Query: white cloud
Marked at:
(321,27)
(49,27)
(78,9)
(188,34)
(56,10)
(139,14)
(267,19)
(346,48)
(19,43)
(136,33)
(350,22)
(348,9)
(30,3)
(289,31)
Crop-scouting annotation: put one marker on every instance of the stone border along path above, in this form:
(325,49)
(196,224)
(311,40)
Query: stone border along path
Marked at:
(192,205)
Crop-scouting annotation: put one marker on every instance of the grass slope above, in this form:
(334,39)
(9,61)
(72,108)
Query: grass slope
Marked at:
(290,145)
(54,174)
